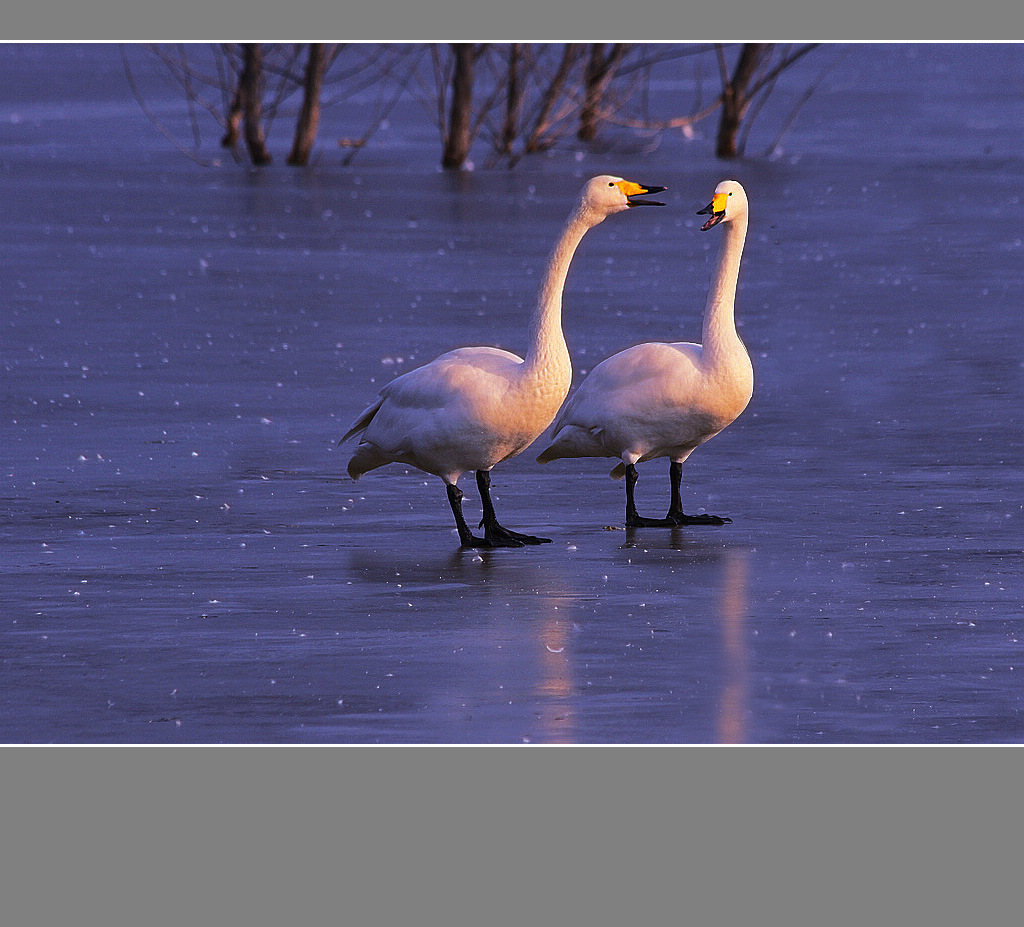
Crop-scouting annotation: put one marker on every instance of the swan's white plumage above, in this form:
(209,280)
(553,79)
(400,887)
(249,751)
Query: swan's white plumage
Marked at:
(666,399)
(648,401)
(473,407)
(466,410)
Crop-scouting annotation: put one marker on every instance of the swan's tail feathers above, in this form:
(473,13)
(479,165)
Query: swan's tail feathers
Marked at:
(367,457)
(573,441)
(365,417)
(548,454)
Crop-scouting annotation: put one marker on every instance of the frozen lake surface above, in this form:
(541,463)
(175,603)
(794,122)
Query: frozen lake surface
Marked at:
(185,560)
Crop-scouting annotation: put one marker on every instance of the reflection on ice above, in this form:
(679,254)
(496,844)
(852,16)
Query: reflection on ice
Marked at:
(528,639)
(733,701)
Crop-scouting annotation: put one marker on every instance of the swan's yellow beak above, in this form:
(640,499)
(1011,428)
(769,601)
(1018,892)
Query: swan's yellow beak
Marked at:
(631,189)
(716,208)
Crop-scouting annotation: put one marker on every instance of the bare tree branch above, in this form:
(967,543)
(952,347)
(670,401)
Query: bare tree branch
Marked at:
(159,126)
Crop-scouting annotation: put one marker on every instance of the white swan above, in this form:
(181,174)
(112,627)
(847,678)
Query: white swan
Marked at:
(474,407)
(665,400)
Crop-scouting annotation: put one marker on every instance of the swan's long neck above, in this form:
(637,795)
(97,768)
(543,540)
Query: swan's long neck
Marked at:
(547,354)
(720,336)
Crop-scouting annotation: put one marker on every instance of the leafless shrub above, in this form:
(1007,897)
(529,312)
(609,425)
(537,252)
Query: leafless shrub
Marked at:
(517,99)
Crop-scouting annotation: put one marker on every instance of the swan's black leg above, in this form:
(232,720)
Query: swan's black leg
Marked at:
(633,520)
(676,516)
(466,536)
(495,533)
(675,477)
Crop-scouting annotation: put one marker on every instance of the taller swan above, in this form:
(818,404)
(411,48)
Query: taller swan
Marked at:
(665,400)
(474,407)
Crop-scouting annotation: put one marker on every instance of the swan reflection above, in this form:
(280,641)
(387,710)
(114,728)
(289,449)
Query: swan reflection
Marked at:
(527,650)
(731,727)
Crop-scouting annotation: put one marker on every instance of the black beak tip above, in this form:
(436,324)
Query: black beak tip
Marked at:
(635,201)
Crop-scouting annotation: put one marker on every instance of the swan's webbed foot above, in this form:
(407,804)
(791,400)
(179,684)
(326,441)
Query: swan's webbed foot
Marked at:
(502,536)
(638,521)
(681,520)
(472,542)
(675,520)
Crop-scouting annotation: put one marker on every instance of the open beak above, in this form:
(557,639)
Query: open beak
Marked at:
(633,190)
(716,209)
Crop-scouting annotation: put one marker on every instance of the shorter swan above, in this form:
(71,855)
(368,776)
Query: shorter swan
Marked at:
(665,400)
(474,407)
